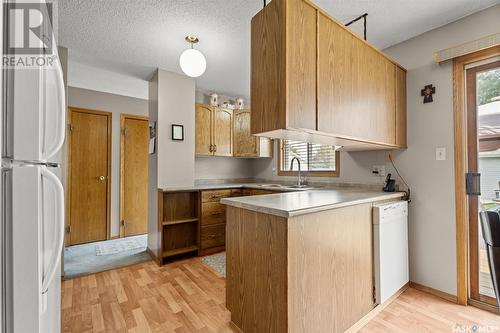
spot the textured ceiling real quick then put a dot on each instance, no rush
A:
(134, 37)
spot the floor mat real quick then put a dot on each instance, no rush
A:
(83, 259)
(217, 262)
(120, 245)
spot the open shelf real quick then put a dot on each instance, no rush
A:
(178, 251)
(166, 223)
(178, 224)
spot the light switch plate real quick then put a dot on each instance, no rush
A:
(441, 154)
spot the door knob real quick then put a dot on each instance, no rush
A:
(101, 178)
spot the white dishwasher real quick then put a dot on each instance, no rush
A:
(390, 240)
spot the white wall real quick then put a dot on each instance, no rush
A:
(99, 79)
(432, 211)
(355, 168)
(116, 104)
(211, 168)
(176, 103)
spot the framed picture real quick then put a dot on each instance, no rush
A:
(152, 138)
(177, 132)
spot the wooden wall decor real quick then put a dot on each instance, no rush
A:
(427, 93)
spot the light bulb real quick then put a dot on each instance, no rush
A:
(193, 63)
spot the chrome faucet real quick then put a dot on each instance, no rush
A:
(299, 182)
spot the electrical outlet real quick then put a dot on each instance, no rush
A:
(378, 170)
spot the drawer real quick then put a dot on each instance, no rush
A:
(213, 236)
(214, 196)
(237, 192)
(212, 213)
(251, 191)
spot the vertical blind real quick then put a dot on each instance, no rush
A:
(312, 156)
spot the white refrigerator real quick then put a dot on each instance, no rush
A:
(32, 199)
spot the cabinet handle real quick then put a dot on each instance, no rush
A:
(216, 213)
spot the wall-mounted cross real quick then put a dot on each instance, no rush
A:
(427, 92)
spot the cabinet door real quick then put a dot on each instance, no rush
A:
(301, 42)
(203, 129)
(373, 102)
(335, 70)
(401, 108)
(245, 145)
(223, 132)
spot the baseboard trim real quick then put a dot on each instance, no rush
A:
(234, 327)
(155, 258)
(483, 306)
(435, 292)
(375, 311)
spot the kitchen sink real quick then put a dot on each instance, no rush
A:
(285, 187)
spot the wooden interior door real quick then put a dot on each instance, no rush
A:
(89, 175)
(203, 130)
(481, 138)
(223, 132)
(245, 145)
(134, 175)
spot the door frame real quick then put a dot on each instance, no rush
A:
(461, 167)
(109, 115)
(123, 117)
(473, 150)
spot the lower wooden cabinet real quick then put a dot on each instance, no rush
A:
(213, 221)
(213, 237)
(192, 223)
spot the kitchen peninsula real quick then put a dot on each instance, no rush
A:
(301, 261)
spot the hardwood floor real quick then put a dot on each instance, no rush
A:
(415, 311)
(187, 296)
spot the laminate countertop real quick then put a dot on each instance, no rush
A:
(223, 186)
(310, 201)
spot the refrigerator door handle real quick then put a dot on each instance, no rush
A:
(61, 113)
(59, 239)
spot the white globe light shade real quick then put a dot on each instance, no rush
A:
(193, 63)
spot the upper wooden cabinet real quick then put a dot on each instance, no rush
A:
(214, 131)
(314, 80)
(245, 144)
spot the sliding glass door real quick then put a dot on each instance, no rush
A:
(483, 151)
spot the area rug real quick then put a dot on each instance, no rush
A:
(216, 262)
(82, 259)
(121, 245)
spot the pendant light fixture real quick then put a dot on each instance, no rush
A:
(192, 61)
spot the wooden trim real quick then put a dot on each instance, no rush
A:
(376, 310)
(234, 327)
(484, 306)
(435, 292)
(123, 117)
(281, 172)
(109, 115)
(472, 166)
(460, 133)
(152, 255)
